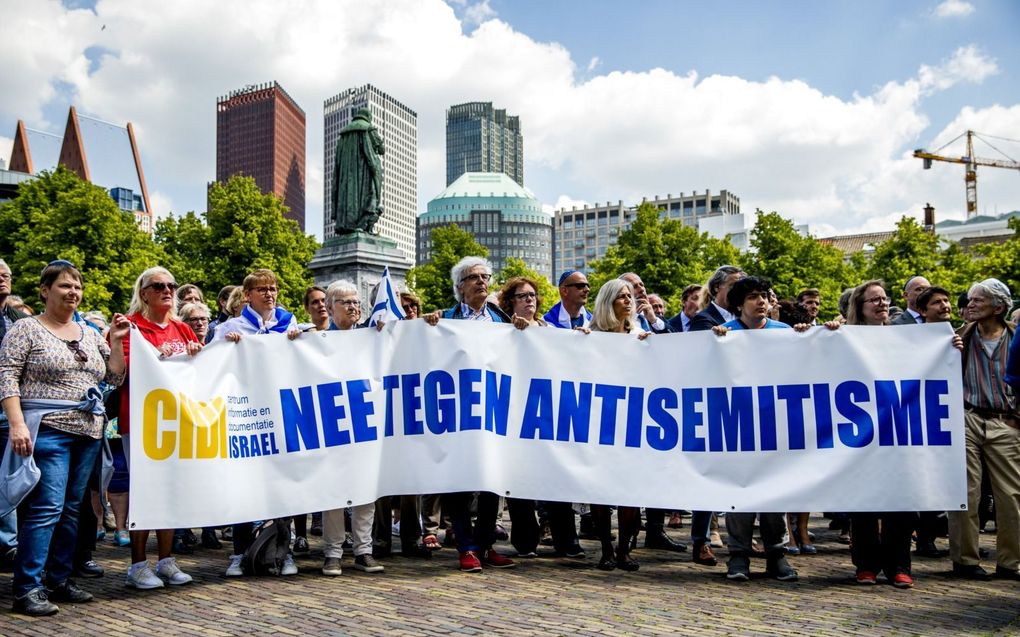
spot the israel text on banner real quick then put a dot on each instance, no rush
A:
(859, 419)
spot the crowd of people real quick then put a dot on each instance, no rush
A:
(65, 431)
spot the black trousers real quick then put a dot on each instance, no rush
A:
(887, 549)
(526, 531)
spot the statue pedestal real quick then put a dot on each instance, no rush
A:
(360, 257)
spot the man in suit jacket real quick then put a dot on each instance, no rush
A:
(646, 316)
(9, 523)
(691, 300)
(912, 316)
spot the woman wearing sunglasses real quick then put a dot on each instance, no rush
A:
(50, 369)
(153, 312)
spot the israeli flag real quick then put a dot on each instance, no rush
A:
(386, 304)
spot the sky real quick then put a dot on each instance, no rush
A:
(809, 108)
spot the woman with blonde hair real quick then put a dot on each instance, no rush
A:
(153, 311)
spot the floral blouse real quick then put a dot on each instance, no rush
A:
(34, 363)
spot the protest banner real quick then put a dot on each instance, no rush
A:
(859, 419)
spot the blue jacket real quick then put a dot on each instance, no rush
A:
(498, 315)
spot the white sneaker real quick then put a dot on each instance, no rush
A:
(167, 570)
(289, 567)
(235, 570)
(140, 576)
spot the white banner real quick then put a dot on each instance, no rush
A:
(860, 419)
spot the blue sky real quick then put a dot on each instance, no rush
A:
(809, 108)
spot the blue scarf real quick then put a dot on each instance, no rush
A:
(282, 316)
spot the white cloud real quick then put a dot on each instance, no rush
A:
(954, 9)
(594, 63)
(478, 13)
(967, 64)
(565, 202)
(163, 205)
(836, 163)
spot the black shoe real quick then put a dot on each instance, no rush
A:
(663, 542)
(382, 550)
(190, 538)
(180, 548)
(1007, 573)
(983, 553)
(89, 568)
(301, 546)
(974, 572)
(416, 551)
(626, 563)
(607, 562)
(209, 539)
(35, 603)
(928, 549)
(7, 559)
(69, 592)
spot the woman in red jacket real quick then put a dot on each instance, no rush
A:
(153, 313)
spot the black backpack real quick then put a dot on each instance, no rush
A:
(269, 549)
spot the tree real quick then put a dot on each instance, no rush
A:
(60, 216)
(795, 262)
(1002, 260)
(517, 267)
(431, 281)
(913, 251)
(244, 230)
(665, 253)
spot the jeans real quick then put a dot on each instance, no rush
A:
(49, 515)
(480, 535)
(8, 523)
(740, 526)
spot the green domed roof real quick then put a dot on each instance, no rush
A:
(485, 185)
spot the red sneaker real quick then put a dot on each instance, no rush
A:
(902, 580)
(469, 562)
(495, 560)
(866, 577)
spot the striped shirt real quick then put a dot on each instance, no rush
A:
(983, 373)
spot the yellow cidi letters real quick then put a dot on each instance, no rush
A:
(191, 428)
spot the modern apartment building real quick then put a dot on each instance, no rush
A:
(481, 139)
(260, 132)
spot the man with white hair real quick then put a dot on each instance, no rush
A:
(992, 434)
(471, 278)
(8, 523)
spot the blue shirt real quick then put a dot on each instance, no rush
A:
(735, 324)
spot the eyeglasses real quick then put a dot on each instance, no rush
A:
(525, 296)
(160, 286)
(578, 286)
(266, 289)
(80, 355)
(409, 308)
(477, 277)
(197, 319)
(877, 300)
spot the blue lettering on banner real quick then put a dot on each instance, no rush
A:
(665, 433)
(692, 419)
(936, 413)
(538, 418)
(899, 420)
(610, 395)
(732, 418)
(860, 429)
(440, 413)
(574, 418)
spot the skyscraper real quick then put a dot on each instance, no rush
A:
(260, 132)
(480, 138)
(398, 126)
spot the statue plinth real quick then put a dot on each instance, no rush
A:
(359, 257)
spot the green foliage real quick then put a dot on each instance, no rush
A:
(517, 267)
(60, 216)
(431, 282)
(244, 230)
(666, 254)
(1002, 261)
(795, 262)
(912, 251)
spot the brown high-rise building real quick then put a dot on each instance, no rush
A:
(260, 132)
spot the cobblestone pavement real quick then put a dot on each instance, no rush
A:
(545, 596)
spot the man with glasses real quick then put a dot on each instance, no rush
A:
(992, 435)
(8, 523)
(570, 312)
(471, 278)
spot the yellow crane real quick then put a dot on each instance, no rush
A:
(971, 163)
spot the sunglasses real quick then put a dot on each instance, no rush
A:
(159, 286)
(578, 286)
(80, 355)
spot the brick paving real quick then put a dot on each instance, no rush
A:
(545, 596)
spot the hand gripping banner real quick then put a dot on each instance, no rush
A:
(858, 419)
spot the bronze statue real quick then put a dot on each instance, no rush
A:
(357, 176)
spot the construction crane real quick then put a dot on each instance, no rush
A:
(971, 162)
